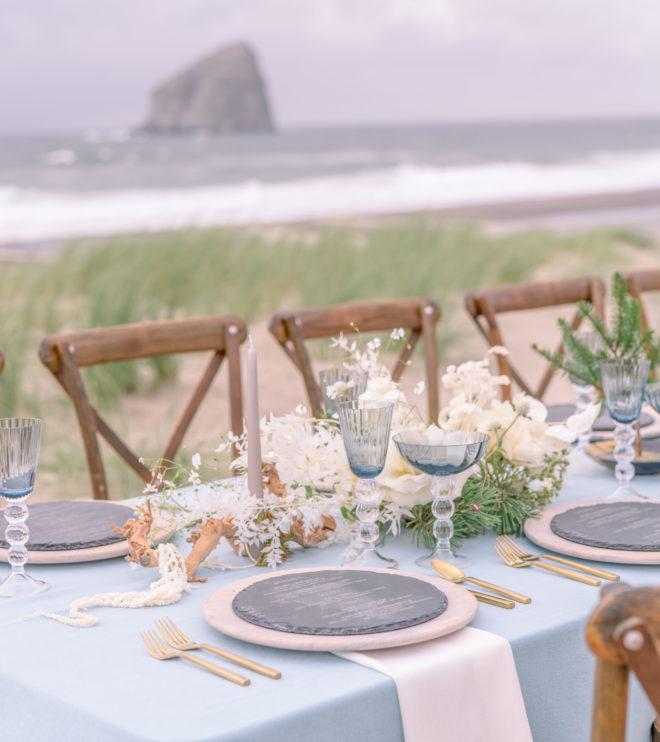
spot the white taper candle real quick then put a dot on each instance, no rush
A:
(255, 480)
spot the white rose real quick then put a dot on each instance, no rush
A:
(383, 388)
(530, 407)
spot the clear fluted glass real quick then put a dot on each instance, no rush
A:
(446, 453)
(624, 383)
(347, 384)
(365, 428)
(19, 454)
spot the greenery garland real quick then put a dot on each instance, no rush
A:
(500, 498)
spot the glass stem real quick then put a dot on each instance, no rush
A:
(442, 509)
(16, 535)
(367, 509)
(584, 395)
(624, 452)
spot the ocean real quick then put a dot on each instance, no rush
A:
(97, 182)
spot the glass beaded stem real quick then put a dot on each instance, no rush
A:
(584, 396)
(624, 382)
(19, 454)
(369, 497)
(624, 452)
(442, 507)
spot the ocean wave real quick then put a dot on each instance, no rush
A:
(29, 215)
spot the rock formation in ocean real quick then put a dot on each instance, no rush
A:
(222, 92)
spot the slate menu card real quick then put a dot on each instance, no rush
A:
(628, 526)
(339, 602)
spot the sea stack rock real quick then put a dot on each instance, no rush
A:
(222, 92)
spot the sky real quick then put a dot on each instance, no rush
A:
(72, 64)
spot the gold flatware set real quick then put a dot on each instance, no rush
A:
(514, 556)
(517, 551)
(178, 644)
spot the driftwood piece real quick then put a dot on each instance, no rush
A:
(136, 532)
(204, 541)
(316, 535)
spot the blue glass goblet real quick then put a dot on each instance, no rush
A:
(623, 386)
(447, 453)
(365, 428)
(19, 453)
(346, 384)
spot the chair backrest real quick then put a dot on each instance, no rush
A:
(484, 305)
(418, 316)
(64, 355)
(624, 634)
(640, 281)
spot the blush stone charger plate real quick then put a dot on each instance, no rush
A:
(218, 612)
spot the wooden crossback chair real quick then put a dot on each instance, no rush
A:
(640, 281)
(64, 355)
(484, 305)
(418, 316)
(624, 634)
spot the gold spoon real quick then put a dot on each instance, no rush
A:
(454, 574)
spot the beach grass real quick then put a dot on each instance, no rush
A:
(252, 273)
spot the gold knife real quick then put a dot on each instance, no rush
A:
(492, 599)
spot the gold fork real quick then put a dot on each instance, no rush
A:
(513, 561)
(160, 651)
(177, 639)
(517, 550)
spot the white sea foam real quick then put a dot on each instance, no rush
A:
(34, 215)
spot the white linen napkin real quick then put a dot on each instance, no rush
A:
(459, 688)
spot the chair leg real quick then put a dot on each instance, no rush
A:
(610, 702)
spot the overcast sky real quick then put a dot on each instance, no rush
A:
(82, 63)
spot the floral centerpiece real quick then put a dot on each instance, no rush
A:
(308, 486)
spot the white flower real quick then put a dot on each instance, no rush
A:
(196, 461)
(398, 333)
(339, 342)
(582, 422)
(383, 388)
(339, 389)
(530, 407)
(374, 344)
(419, 388)
(302, 410)
(498, 350)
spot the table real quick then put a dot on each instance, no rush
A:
(98, 685)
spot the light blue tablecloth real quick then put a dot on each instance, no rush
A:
(99, 685)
